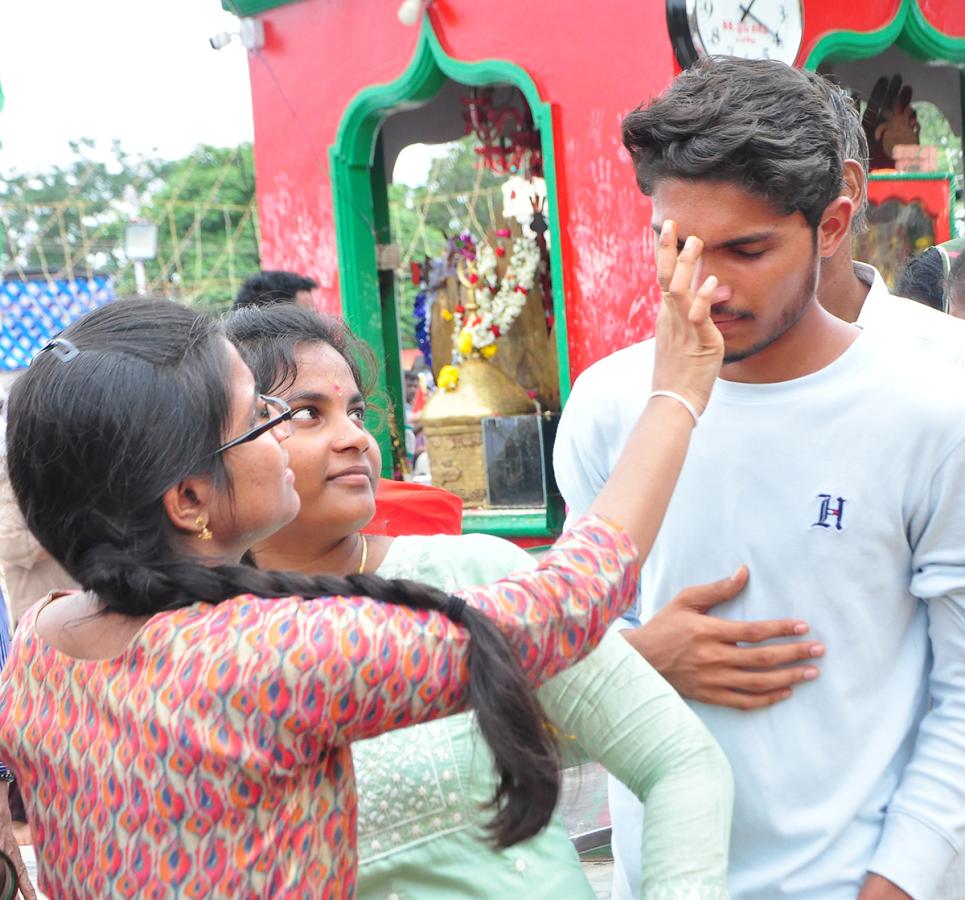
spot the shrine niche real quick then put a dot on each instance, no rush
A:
(483, 314)
(490, 321)
(469, 280)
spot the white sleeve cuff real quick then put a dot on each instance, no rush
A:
(912, 855)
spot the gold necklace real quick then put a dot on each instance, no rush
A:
(365, 553)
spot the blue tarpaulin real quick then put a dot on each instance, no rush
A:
(34, 311)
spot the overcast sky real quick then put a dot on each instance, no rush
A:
(138, 70)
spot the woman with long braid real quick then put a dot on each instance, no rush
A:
(182, 726)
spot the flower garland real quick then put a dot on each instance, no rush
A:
(500, 301)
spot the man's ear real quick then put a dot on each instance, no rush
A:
(835, 225)
(188, 504)
(855, 184)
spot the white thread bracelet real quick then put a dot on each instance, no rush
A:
(682, 400)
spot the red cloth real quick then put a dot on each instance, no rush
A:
(402, 507)
(420, 399)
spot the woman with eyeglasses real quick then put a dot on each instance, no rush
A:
(182, 726)
(422, 789)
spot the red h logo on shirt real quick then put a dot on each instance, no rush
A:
(830, 516)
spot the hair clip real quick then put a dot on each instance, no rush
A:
(63, 349)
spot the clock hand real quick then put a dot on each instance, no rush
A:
(747, 12)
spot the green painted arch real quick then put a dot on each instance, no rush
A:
(356, 186)
(921, 39)
(252, 7)
(909, 29)
(429, 68)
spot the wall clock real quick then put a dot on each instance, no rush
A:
(750, 29)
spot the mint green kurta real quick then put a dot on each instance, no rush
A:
(420, 788)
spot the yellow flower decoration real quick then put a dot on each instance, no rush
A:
(465, 342)
(448, 378)
(446, 315)
(489, 351)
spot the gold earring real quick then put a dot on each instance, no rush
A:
(204, 533)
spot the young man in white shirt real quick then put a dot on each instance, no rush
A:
(827, 463)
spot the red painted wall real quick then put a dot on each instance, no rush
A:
(947, 16)
(593, 61)
(824, 16)
(319, 53)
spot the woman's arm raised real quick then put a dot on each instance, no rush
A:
(689, 352)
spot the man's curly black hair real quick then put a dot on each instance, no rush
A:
(760, 124)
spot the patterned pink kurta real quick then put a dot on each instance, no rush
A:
(211, 758)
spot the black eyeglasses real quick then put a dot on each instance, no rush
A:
(276, 414)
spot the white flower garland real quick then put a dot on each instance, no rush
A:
(500, 301)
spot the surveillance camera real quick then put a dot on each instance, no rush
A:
(220, 40)
(251, 33)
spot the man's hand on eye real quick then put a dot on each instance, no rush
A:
(700, 654)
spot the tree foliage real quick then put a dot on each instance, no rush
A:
(74, 217)
(935, 130)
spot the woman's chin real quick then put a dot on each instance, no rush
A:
(294, 504)
(289, 507)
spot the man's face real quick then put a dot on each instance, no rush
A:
(765, 262)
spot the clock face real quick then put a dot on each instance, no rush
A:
(751, 29)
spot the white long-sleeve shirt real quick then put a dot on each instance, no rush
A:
(844, 493)
(942, 337)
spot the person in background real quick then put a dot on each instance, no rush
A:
(420, 831)
(928, 277)
(267, 288)
(415, 439)
(28, 571)
(8, 837)
(855, 291)
(955, 287)
(923, 278)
